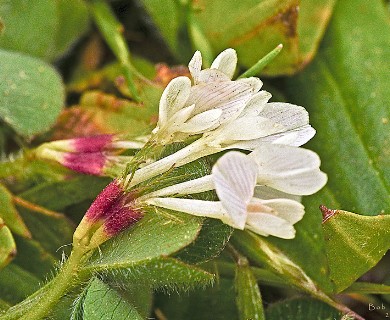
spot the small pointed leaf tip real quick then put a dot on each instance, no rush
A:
(326, 213)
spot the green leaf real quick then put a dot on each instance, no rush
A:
(31, 93)
(16, 283)
(43, 29)
(7, 245)
(210, 242)
(348, 105)
(139, 243)
(61, 194)
(167, 273)
(10, 215)
(249, 302)
(302, 309)
(354, 244)
(103, 302)
(214, 303)
(262, 25)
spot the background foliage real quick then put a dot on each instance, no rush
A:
(65, 71)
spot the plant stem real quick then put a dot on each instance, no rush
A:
(259, 65)
(39, 304)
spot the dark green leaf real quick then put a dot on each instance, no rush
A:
(31, 93)
(249, 302)
(302, 309)
(348, 104)
(103, 302)
(210, 242)
(215, 303)
(167, 273)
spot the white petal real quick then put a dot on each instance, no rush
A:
(195, 66)
(234, 177)
(212, 75)
(181, 116)
(289, 210)
(229, 96)
(296, 137)
(188, 187)
(226, 62)
(173, 98)
(248, 128)
(289, 169)
(253, 82)
(267, 193)
(289, 115)
(210, 209)
(256, 104)
(268, 224)
(202, 121)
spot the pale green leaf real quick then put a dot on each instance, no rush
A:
(31, 93)
(7, 245)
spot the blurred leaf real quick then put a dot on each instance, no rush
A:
(73, 22)
(249, 302)
(354, 245)
(253, 24)
(214, 303)
(302, 309)
(61, 194)
(348, 105)
(10, 215)
(103, 302)
(31, 93)
(44, 29)
(167, 273)
(16, 283)
(7, 245)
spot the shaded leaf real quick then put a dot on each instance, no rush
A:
(31, 93)
(7, 245)
(302, 309)
(214, 303)
(249, 302)
(354, 244)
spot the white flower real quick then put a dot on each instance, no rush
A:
(214, 98)
(229, 115)
(288, 170)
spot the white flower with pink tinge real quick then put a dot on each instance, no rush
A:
(289, 171)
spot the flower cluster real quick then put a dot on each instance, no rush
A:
(258, 191)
